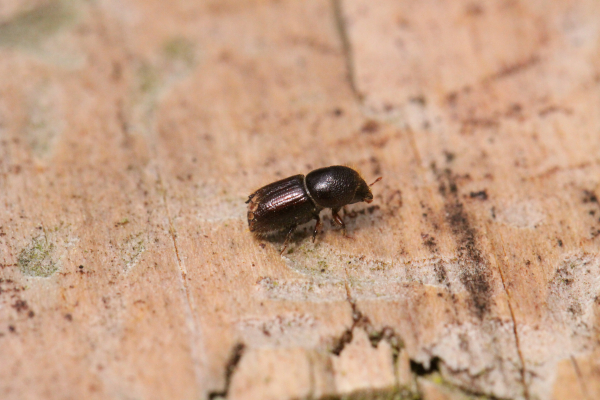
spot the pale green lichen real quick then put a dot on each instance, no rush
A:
(149, 80)
(122, 222)
(180, 49)
(37, 258)
(44, 121)
(322, 265)
(30, 28)
(452, 390)
(132, 249)
(381, 394)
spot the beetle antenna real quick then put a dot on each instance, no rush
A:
(376, 180)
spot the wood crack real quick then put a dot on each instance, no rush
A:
(342, 29)
(234, 359)
(580, 378)
(514, 320)
(189, 314)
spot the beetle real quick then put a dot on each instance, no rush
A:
(287, 203)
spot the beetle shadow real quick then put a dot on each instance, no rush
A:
(356, 217)
(300, 234)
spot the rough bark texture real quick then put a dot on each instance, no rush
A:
(132, 131)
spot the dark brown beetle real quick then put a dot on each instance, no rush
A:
(285, 204)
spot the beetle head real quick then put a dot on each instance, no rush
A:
(363, 192)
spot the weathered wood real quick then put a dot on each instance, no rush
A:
(131, 133)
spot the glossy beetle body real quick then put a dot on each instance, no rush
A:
(285, 204)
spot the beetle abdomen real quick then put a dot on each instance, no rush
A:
(280, 205)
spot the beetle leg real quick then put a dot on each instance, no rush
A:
(337, 219)
(340, 221)
(287, 239)
(318, 226)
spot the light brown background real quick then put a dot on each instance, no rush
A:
(132, 131)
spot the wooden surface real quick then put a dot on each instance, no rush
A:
(132, 131)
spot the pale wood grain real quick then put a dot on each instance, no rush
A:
(131, 133)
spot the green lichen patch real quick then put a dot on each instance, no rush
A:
(45, 123)
(447, 389)
(37, 259)
(378, 394)
(31, 27)
(149, 79)
(176, 59)
(154, 77)
(324, 262)
(132, 249)
(122, 222)
(180, 49)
